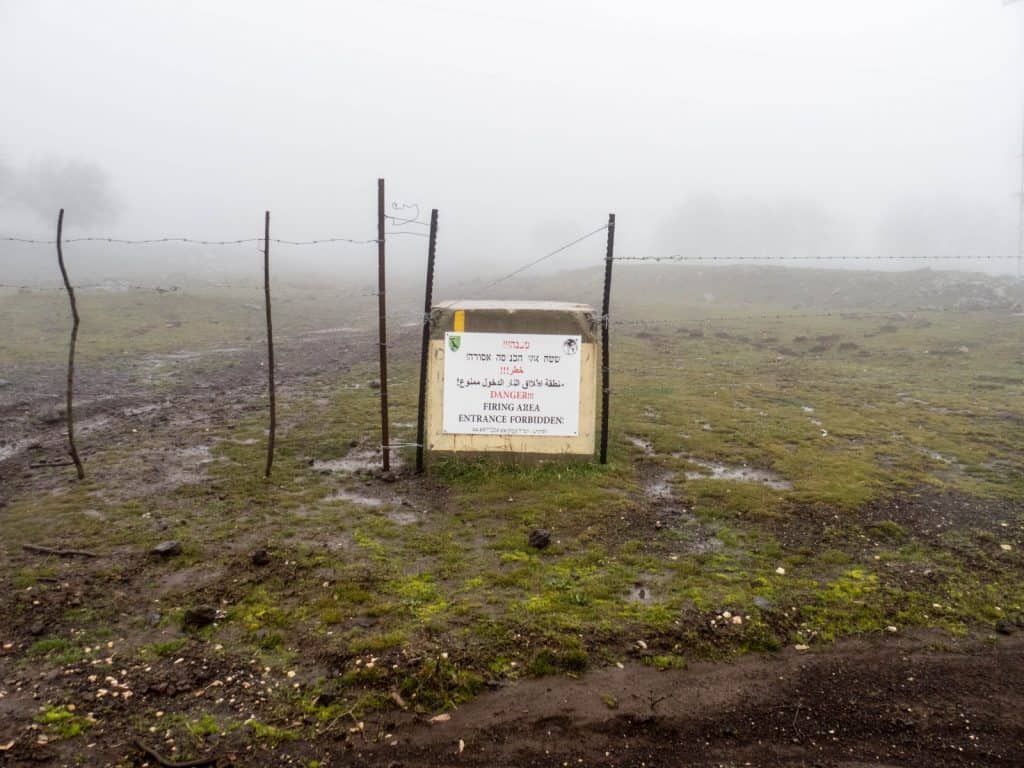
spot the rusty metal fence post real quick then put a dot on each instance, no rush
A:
(270, 346)
(382, 332)
(425, 343)
(605, 331)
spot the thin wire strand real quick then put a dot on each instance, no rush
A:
(199, 242)
(845, 314)
(682, 258)
(401, 221)
(544, 257)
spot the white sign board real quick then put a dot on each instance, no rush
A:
(511, 384)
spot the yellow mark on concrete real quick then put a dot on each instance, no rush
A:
(460, 321)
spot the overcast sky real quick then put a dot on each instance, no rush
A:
(524, 123)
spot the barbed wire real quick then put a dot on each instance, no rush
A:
(198, 241)
(546, 256)
(402, 221)
(683, 258)
(846, 314)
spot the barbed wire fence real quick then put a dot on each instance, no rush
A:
(607, 322)
(403, 215)
(400, 222)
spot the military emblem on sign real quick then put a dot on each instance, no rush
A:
(454, 342)
(570, 346)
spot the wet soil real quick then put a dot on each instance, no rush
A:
(903, 702)
(894, 701)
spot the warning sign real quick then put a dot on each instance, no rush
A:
(511, 384)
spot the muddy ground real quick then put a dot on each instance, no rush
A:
(902, 700)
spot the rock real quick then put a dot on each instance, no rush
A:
(781, 571)
(198, 617)
(168, 548)
(374, 384)
(260, 557)
(1005, 627)
(540, 539)
(762, 602)
(153, 619)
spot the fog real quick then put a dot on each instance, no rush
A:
(749, 128)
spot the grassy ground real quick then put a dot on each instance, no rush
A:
(891, 499)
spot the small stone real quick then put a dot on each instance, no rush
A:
(781, 571)
(540, 539)
(444, 717)
(199, 616)
(891, 628)
(737, 619)
(801, 647)
(260, 557)
(168, 548)
(762, 602)
(1006, 547)
(153, 619)
(375, 384)
(641, 645)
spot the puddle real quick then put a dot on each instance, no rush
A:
(660, 487)
(142, 410)
(644, 445)
(324, 331)
(702, 544)
(394, 512)
(355, 498)
(175, 356)
(13, 448)
(90, 425)
(744, 474)
(359, 459)
(403, 517)
(640, 593)
(950, 461)
(200, 453)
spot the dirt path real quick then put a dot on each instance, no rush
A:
(900, 702)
